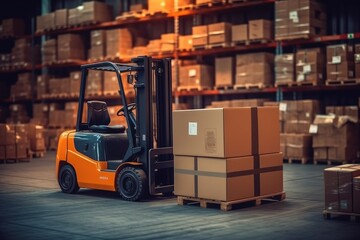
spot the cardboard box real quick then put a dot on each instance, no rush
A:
(185, 42)
(284, 68)
(70, 47)
(356, 192)
(12, 27)
(61, 17)
(213, 132)
(196, 76)
(310, 66)
(200, 35)
(320, 153)
(163, 6)
(224, 71)
(219, 33)
(18, 151)
(340, 61)
(267, 129)
(228, 179)
(239, 33)
(339, 187)
(343, 154)
(118, 42)
(261, 29)
(94, 12)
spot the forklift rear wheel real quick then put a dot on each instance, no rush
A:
(67, 179)
(132, 183)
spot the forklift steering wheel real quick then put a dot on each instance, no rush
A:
(130, 107)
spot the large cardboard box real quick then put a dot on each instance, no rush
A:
(185, 42)
(340, 61)
(200, 35)
(213, 132)
(239, 33)
(310, 66)
(284, 68)
(219, 33)
(261, 29)
(196, 76)
(320, 153)
(224, 71)
(164, 6)
(61, 17)
(70, 47)
(265, 122)
(118, 42)
(339, 187)
(228, 179)
(356, 192)
(94, 12)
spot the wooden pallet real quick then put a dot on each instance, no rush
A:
(331, 214)
(202, 47)
(329, 162)
(111, 93)
(210, 3)
(38, 154)
(237, 1)
(259, 41)
(294, 37)
(131, 15)
(343, 82)
(15, 160)
(218, 45)
(227, 206)
(297, 160)
(94, 94)
(192, 88)
(224, 87)
(92, 60)
(186, 7)
(155, 14)
(240, 43)
(250, 86)
(285, 84)
(307, 83)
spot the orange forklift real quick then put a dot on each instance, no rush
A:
(136, 161)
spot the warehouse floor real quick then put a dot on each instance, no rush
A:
(32, 207)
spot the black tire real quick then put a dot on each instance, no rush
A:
(132, 184)
(67, 179)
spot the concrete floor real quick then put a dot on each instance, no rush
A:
(32, 207)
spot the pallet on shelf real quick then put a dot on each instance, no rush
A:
(328, 162)
(291, 160)
(251, 86)
(331, 214)
(218, 45)
(210, 3)
(240, 43)
(131, 15)
(260, 41)
(228, 205)
(186, 7)
(224, 87)
(295, 37)
(343, 82)
(192, 88)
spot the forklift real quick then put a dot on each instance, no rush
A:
(136, 161)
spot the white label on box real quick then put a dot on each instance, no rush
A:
(192, 73)
(300, 77)
(45, 108)
(307, 68)
(193, 128)
(39, 79)
(313, 128)
(336, 59)
(293, 15)
(283, 107)
(15, 107)
(76, 76)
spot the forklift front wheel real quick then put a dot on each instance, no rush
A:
(132, 183)
(67, 179)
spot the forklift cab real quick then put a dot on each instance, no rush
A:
(135, 160)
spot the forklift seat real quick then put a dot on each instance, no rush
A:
(99, 118)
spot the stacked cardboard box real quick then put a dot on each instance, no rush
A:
(111, 85)
(185, 42)
(48, 51)
(14, 142)
(18, 114)
(352, 112)
(95, 12)
(357, 60)
(261, 29)
(299, 19)
(12, 27)
(75, 79)
(200, 36)
(224, 72)
(284, 68)
(40, 114)
(42, 82)
(296, 146)
(61, 18)
(163, 6)
(219, 34)
(335, 138)
(56, 116)
(70, 47)
(342, 188)
(239, 33)
(196, 76)
(36, 137)
(21, 53)
(73, 16)
(310, 66)
(154, 46)
(59, 86)
(168, 42)
(49, 21)
(254, 68)
(23, 86)
(98, 44)
(118, 42)
(95, 83)
(227, 154)
(340, 62)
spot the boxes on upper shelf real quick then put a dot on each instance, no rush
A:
(219, 34)
(224, 71)
(70, 47)
(310, 66)
(61, 18)
(12, 27)
(200, 36)
(185, 42)
(196, 76)
(340, 62)
(163, 6)
(167, 43)
(118, 42)
(95, 12)
(261, 29)
(239, 33)
(299, 19)
(49, 51)
(98, 44)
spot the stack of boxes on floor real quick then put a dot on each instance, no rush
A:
(295, 119)
(14, 142)
(336, 135)
(342, 188)
(227, 154)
